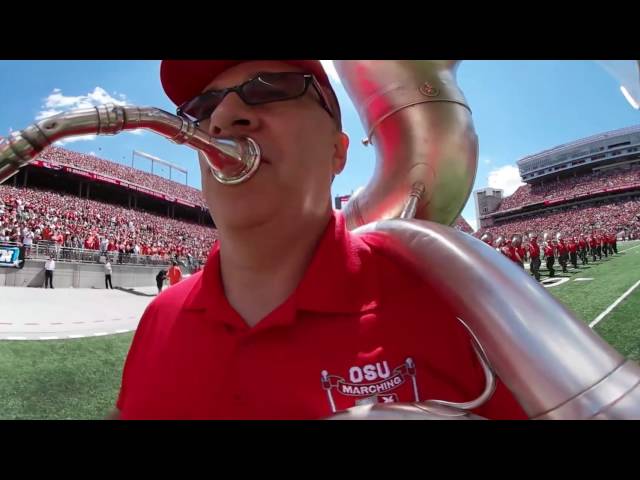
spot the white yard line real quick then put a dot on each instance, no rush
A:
(627, 249)
(614, 304)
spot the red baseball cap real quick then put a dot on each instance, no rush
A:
(183, 80)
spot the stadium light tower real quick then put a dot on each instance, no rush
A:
(162, 162)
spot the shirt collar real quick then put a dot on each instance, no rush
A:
(341, 278)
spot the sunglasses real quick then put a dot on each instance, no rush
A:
(264, 88)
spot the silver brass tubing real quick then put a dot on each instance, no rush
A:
(232, 160)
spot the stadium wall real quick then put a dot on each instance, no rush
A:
(78, 275)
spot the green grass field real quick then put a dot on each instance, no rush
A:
(80, 379)
(611, 278)
(61, 379)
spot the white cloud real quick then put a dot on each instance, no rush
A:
(486, 161)
(57, 103)
(330, 68)
(75, 138)
(506, 178)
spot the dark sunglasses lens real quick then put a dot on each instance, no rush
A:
(201, 107)
(272, 87)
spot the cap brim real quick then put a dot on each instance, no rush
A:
(182, 80)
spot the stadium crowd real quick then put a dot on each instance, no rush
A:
(30, 216)
(571, 187)
(462, 225)
(613, 217)
(122, 172)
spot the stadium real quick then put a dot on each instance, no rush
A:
(585, 187)
(62, 352)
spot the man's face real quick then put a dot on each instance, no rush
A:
(301, 151)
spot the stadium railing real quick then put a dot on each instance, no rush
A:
(43, 248)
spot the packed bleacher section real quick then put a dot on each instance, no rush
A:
(462, 225)
(105, 167)
(612, 217)
(71, 221)
(572, 187)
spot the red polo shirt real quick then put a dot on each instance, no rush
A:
(357, 329)
(534, 250)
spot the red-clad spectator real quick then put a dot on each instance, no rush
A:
(58, 238)
(174, 273)
(47, 233)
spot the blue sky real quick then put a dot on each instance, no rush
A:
(519, 108)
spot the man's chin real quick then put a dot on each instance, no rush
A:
(245, 218)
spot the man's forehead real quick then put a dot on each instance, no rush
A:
(246, 70)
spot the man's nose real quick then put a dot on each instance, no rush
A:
(232, 118)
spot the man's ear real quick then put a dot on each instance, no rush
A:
(340, 152)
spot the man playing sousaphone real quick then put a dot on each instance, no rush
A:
(534, 255)
(293, 317)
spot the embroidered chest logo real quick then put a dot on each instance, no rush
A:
(372, 383)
